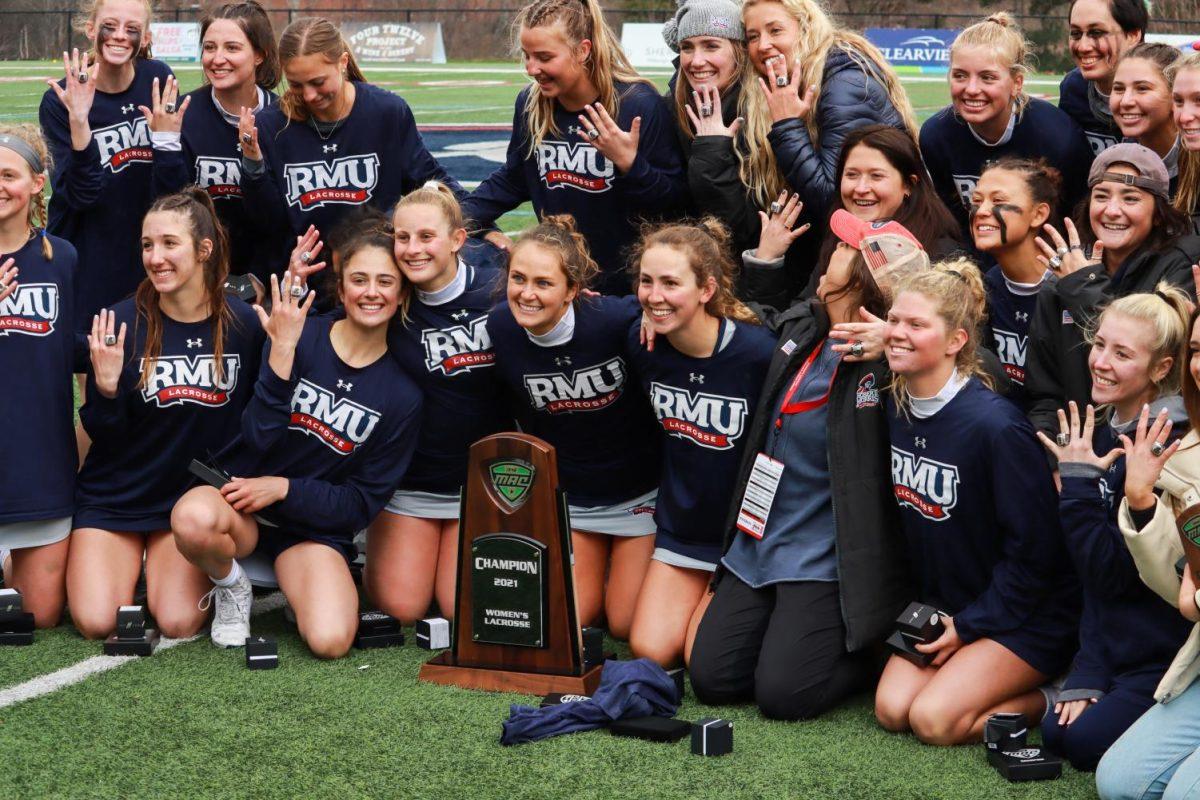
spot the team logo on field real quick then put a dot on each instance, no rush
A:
(341, 425)
(710, 420)
(123, 144)
(587, 389)
(32, 310)
(576, 164)
(459, 349)
(926, 486)
(1010, 349)
(176, 380)
(350, 181)
(965, 184)
(866, 395)
(511, 478)
(220, 177)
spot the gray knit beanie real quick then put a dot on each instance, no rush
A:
(719, 18)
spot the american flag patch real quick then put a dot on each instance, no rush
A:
(874, 256)
(1067, 318)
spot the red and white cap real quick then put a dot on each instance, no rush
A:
(885, 244)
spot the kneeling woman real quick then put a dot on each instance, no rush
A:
(564, 360)
(801, 598)
(324, 443)
(1135, 373)
(978, 509)
(175, 388)
(703, 379)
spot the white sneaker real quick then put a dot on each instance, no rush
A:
(231, 612)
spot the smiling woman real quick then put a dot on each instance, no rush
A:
(1126, 237)
(1141, 102)
(991, 116)
(198, 143)
(102, 150)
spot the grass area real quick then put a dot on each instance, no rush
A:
(194, 721)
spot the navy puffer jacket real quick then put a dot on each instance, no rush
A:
(852, 95)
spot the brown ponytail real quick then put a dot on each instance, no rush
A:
(195, 206)
(558, 234)
(706, 244)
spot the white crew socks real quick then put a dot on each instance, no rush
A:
(229, 580)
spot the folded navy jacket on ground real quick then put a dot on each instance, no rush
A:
(639, 688)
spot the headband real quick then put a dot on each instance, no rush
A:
(22, 148)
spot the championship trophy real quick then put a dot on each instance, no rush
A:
(516, 628)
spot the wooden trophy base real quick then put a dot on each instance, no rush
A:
(441, 669)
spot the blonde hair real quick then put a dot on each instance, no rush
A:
(438, 195)
(558, 234)
(956, 289)
(312, 36)
(1187, 196)
(607, 64)
(1001, 36)
(90, 9)
(32, 135)
(1167, 311)
(760, 170)
(706, 244)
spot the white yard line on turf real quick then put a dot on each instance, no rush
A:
(81, 671)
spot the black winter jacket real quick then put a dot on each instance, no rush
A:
(717, 189)
(1056, 363)
(872, 566)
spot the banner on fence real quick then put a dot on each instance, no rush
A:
(643, 43)
(175, 41)
(917, 49)
(396, 41)
(1184, 41)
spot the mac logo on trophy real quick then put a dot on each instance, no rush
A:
(516, 626)
(511, 479)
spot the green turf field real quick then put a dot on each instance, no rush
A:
(192, 721)
(462, 92)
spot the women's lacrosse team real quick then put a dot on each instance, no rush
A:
(963, 357)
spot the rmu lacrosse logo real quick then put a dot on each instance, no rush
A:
(175, 380)
(350, 180)
(1010, 349)
(123, 144)
(926, 486)
(458, 349)
(576, 164)
(220, 177)
(32, 309)
(966, 186)
(587, 389)
(342, 425)
(709, 420)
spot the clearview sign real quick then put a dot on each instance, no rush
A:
(925, 49)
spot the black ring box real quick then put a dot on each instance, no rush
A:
(652, 729)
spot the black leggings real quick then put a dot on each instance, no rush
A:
(782, 646)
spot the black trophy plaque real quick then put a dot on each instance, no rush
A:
(507, 581)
